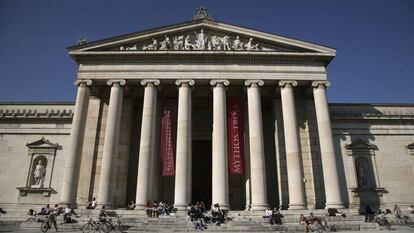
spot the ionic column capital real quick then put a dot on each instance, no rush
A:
(253, 83)
(317, 84)
(86, 82)
(120, 82)
(184, 82)
(150, 82)
(287, 83)
(219, 82)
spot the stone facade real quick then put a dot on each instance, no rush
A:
(299, 154)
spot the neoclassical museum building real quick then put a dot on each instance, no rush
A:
(205, 110)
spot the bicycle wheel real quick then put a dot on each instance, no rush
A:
(333, 228)
(104, 227)
(118, 227)
(387, 225)
(31, 219)
(319, 228)
(44, 227)
(88, 227)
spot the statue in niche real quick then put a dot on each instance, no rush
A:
(39, 175)
(237, 44)
(153, 46)
(226, 43)
(188, 45)
(250, 46)
(201, 41)
(178, 43)
(362, 175)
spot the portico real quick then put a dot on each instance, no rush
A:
(143, 148)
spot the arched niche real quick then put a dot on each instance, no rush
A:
(365, 182)
(45, 151)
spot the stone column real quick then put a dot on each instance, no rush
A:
(182, 195)
(77, 133)
(220, 184)
(111, 141)
(330, 170)
(296, 185)
(147, 142)
(256, 145)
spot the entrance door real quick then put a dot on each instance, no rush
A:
(201, 178)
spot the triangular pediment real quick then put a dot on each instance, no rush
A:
(202, 35)
(360, 144)
(43, 143)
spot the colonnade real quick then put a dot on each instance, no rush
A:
(220, 189)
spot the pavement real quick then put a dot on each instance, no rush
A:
(395, 229)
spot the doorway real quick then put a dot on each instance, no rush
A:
(201, 172)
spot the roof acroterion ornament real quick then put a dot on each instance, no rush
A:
(202, 14)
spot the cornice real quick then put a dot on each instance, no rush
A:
(174, 57)
(25, 112)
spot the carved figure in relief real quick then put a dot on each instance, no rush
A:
(188, 45)
(250, 46)
(216, 43)
(178, 43)
(153, 46)
(39, 175)
(166, 44)
(201, 41)
(237, 44)
(209, 45)
(129, 48)
(226, 43)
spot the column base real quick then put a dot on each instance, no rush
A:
(107, 205)
(73, 205)
(335, 205)
(297, 207)
(259, 206)
(223, 206)
(180, 207)
(139, 207)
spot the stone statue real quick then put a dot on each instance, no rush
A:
(153, 46)
(178, 43)
(226, 43)
(128, 48)
(201, 41)
(166, 44)
(39, 175)
(237, 45)
(250, 46)
(188, 45)
(362, 176)
(216, 43)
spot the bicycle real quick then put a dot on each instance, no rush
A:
(34, 217)
(404, 220)
(383, 222)
(117, 225)
(324, 226)
(95, 226)
(46, 225)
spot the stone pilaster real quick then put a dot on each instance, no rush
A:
(296, 185)
(220, 186)
(77, 133)
(330, 170)
(111, 141)
(182, 194)
(147, 142)
(256, 145)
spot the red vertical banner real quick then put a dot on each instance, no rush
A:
(235, 139)
(168, 136)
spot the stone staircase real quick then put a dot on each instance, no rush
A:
(239, 221)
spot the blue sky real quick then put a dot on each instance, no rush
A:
(374, 39)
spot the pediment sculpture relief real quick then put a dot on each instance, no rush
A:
(197, 41)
